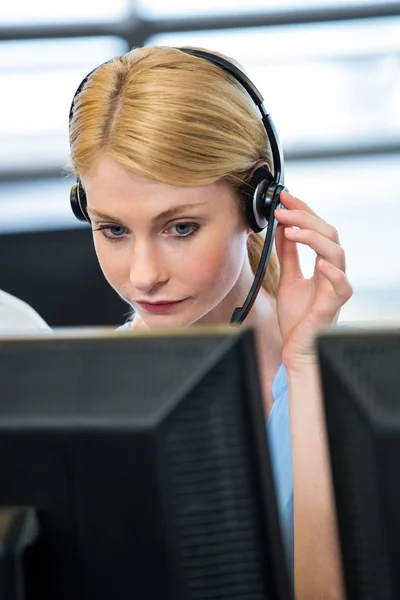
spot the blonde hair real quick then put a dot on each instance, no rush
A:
(174, 118)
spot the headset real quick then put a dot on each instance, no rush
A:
(261, 194)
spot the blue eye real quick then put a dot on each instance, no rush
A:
(184, 229)
(112, 232)
(116, 230)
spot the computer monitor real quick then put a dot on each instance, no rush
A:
(141, 468)
(361, 388)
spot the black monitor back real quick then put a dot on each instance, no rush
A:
(58, 274)
(361, 387)
(146, 461)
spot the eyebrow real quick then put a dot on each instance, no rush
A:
(165, 214)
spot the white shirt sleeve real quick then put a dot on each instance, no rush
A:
(18, 316)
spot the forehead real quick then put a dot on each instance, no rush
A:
(110, 188)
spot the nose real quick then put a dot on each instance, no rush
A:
(148, 270)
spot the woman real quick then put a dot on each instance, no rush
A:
(164, 144)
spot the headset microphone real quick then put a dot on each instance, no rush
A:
(262, 192)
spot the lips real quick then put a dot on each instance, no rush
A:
(160, 306)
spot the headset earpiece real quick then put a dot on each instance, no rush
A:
(259, 197)
(77, 198)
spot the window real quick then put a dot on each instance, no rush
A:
(22, 12)
(41, 78)
(326, 85)
(159, 9)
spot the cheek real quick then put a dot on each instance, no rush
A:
(215, 264)
(114, 268)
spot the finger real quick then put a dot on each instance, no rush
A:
(341, 290)
(338, 279)
(288, 257)
(291, 202)
(320, 244)
(306, 220)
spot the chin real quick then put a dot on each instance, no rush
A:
(161, 321)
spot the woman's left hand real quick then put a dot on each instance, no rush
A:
(305, 305)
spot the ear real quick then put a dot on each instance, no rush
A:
(259, 163)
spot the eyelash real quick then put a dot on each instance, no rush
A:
(107, 228)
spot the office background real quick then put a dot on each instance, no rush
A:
(330, 75)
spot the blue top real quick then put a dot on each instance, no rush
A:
(280, 448)
(278, 434)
